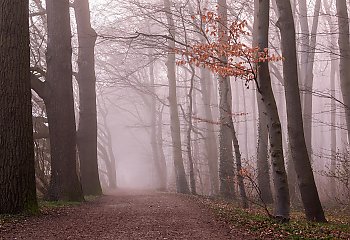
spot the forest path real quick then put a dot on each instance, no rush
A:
(124, 215)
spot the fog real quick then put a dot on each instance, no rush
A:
(139, 117)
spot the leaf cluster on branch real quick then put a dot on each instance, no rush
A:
(224, 52)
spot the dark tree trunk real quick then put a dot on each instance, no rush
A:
(282, 202)
(302, 165)
(17, 173)
(64, 184)
(87, 129)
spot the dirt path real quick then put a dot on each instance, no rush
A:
(124, 216)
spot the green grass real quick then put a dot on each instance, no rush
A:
(256, 222)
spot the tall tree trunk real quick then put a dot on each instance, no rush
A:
(263, 170)
(87, 129)
(309, 78)
(189, 133)
(181, 181)
(305, 40)
(17, 172)
(333, 42)
(255, 121)
(64, 184)
(344, 48)
(306, 181)
(282, 202)
(158, 163)
(199, 164)
(210, 143)
(210, 139)
(245, 119)
(226, 166)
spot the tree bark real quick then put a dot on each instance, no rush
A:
(282, 202)
(87, 128)
(64, 184)
(210, 139)
(263, 170)
(159, 164)
(344, 49)
(181, 181)
(240, 176)
(105, 136)
(159, 137)
(309, 78)
(332, 30)
(189, 133)
(17, 172)
(226, 166)
(302, 165)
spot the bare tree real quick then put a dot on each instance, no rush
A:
(87, 129)
(64, 184)
(282, 203)
(181, 181)
(302, 165)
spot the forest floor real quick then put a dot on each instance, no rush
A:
(142, 215)
(123, 215)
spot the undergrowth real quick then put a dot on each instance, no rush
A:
(258, 224)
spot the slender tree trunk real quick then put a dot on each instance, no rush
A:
(181, 181)
(17, 172)
(332, 30)
(240, 175)
(309, 79)
(305, 40)
(189, 133)
(282, 203)
(64, 184)
(210, 140)
(226, 167)
(344, 48)
(245, 119)
(306, 181)
(160, 168)
(255, 121)
(110, 172)
(263, 170)
(105, 137)
(199, 165)
(161, 154)
(87, 129)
